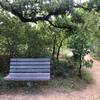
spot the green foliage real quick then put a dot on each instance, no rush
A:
(96, 39)
(64, 68)
(80, 43)
(18, 39)
(4, 64)
(59, 69)
(88, 63)
(87, 76)
(96, 4)
(36, 42)
(11, 34)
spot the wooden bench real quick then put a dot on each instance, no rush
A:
(29, 69)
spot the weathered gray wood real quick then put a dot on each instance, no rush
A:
(29, 63)
(35, 66)
(29, 74)
(30, 59)
(27, 78)
(25, 69)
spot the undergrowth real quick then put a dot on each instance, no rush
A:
(69, 83)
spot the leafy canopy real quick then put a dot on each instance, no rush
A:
(43, 10)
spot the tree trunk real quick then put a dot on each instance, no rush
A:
(54, 47)
(10, 50)
(58, 51)
(80, 66)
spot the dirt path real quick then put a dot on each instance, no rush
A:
(90, 93)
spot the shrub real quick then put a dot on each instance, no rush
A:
(87, 76)
(88, 63)
(58, 69)
(63, 68)
(4, 64)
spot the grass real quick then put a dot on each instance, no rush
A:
(87, 76)
(59, 84)
(97, 58)
(68, 84)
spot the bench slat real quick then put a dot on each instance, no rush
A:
(37, 67)
(29, 63)
(30, 59)
(27, 78)
(23, 70)
(29, 74)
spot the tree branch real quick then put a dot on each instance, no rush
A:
(63, 27)
(19, 12)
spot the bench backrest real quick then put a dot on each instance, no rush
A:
(29, 69)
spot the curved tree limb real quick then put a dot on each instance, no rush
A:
(23, 14)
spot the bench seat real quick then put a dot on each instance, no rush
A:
(29, 69)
